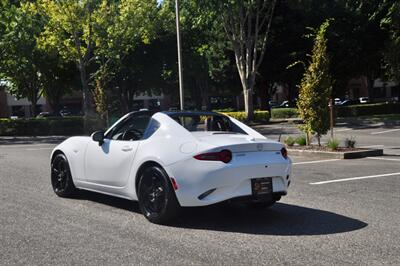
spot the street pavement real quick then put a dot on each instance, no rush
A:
(337, 212)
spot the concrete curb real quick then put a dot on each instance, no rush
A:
(336, 155)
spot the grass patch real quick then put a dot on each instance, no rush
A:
(333, 144)
(281, 113)
(289, 141)
(301, 140)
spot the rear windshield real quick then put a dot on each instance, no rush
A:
(214, 123)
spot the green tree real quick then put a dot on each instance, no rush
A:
(391, 22)
(58, 78)
(206, 59)
(69, 30)
(120, 28)
(20, 60)
(247, 26)
(315, 89)
(30, 71)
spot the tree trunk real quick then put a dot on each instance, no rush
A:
(90, 119)
(248, 104)
(34, 110)
(33, 97)
(87, 106)
(308, 139)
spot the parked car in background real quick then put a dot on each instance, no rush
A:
(273, 104)
(47, 114)
(337, 101)
(286, 104)
(349, 102)
(67, 111)
(363, 99)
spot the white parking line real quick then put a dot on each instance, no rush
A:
(26, 146)
(320, 161)
(386, 131)
(38, 149)
(384, 159)
(353, 178)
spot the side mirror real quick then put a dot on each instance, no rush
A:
(98, 136)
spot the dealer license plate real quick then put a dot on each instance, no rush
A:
(261, 186)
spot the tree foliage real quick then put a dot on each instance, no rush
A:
(30, 71)
(315, 88)
(120, 28)
(247, 25)
(391, 22)
(69, 30)
(119, 49)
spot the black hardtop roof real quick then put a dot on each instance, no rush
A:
(190, 113)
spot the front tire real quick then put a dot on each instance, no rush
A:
(157, 199)
(61, 179)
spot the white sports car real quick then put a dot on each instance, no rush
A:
(173, 159)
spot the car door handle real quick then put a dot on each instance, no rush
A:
(126, 148)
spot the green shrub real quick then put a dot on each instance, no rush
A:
(367, 109)
(350, 142)
(289, 141)
(259, 116)
(41, 126)
(301, 140)
(280, 113)
(333, 144)
(225, 110)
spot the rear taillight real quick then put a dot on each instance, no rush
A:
(223, 156)
(284, 153)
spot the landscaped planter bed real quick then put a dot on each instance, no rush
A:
(326, 153)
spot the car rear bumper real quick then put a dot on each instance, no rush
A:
(204, 183)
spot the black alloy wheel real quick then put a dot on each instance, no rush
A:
(61, 179)
(157, 199)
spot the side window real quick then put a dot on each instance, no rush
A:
(133, 128)
(151, 128)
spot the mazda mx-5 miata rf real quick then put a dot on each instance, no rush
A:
(170, 160)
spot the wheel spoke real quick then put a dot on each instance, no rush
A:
(159, 193)
(153, 194)
(59, 175)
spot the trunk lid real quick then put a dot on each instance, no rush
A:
(237, 142)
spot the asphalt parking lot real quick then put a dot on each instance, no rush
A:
(337, 212)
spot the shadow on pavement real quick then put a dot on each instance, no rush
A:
(281, 219)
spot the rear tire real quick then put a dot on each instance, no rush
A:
(61, 178)
(157, 199)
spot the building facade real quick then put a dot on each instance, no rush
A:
(12, 107)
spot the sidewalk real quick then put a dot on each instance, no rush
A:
(355, 121)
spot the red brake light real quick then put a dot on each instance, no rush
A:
(223, 156)
(284, 153)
